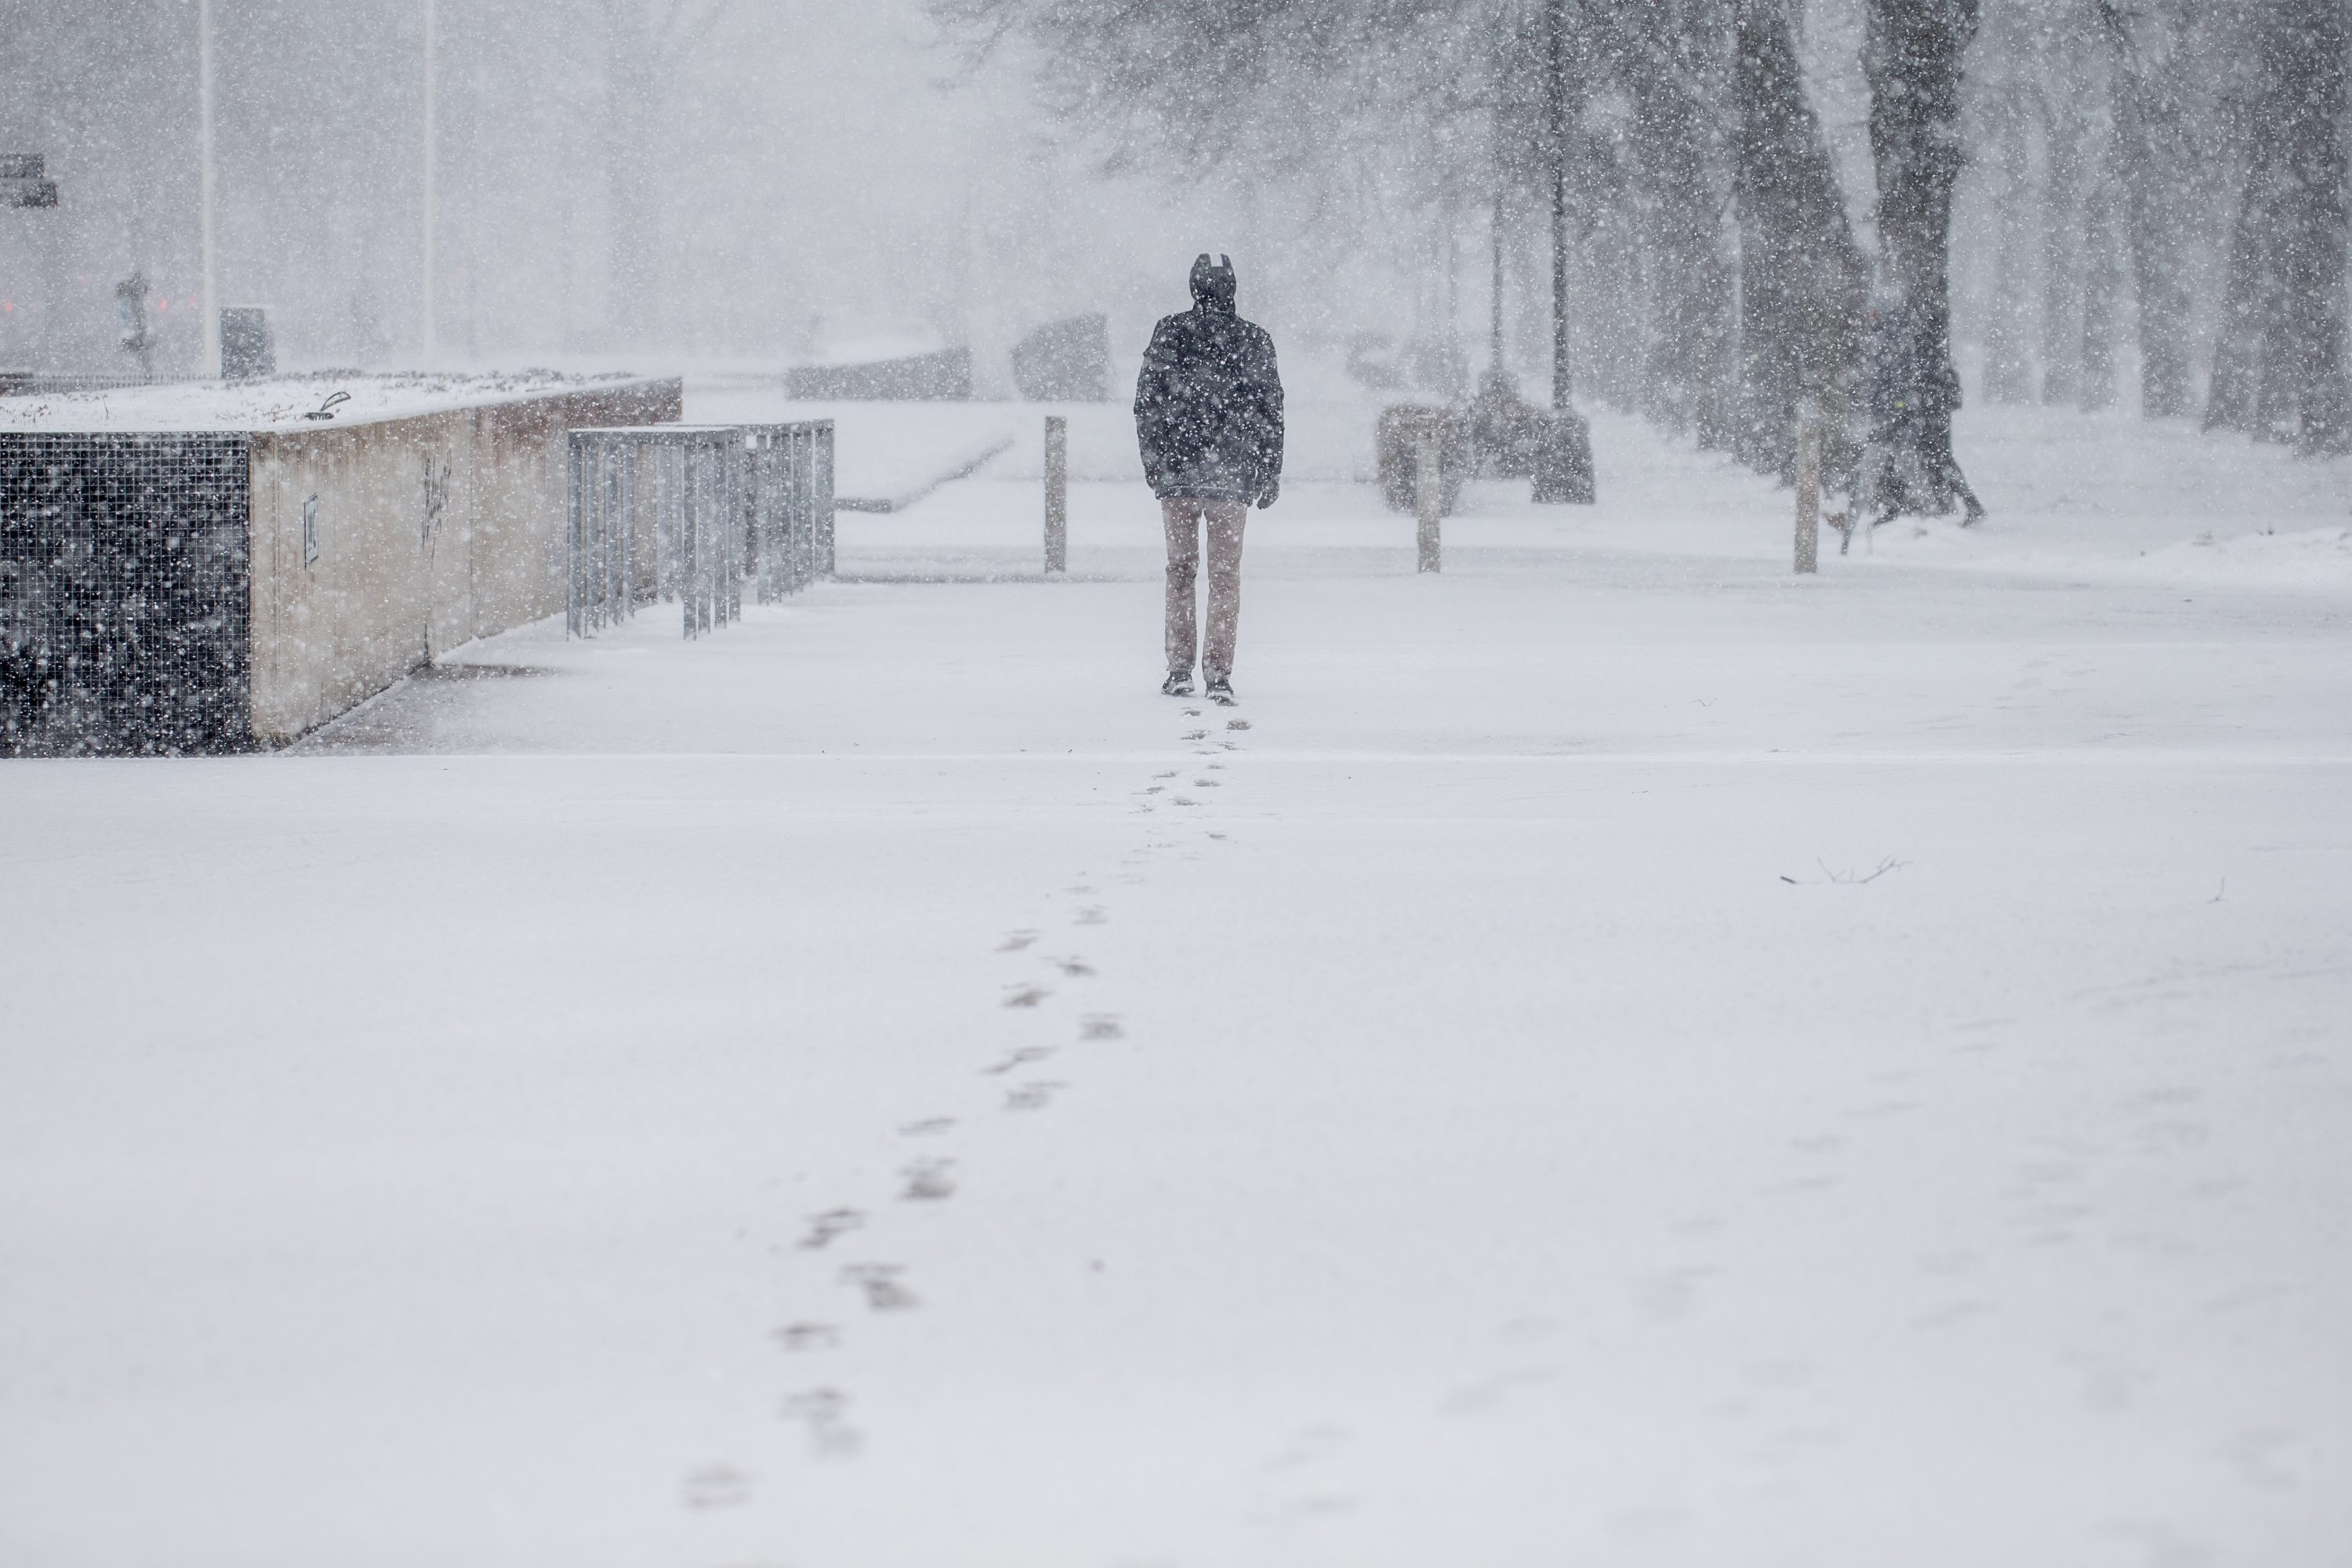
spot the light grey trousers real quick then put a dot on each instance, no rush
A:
(1183, 516)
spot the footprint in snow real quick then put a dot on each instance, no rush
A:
(1237, 724)
(1074, 967)
(808, 1337)
(927, 1181)
(1024, 1055)
(1169, 774)
(1015, 941)
(880, 1283)
(715, 1485)
(1093, 917)
(1479, 1398)
(1208, 784)
(1101, 1026)
(1033, 1096)
(823, 1227)
(926, 1127)
(824, 1411)
(1181, 800)
(1025, 996)
(1196, 734)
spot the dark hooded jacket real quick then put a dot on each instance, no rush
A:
(1208, 407)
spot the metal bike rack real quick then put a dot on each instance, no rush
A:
(788, 496)
(651, 513)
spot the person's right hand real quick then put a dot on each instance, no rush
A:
(1267, 497)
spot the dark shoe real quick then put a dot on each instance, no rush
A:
(1178, 684)
(1221, 691)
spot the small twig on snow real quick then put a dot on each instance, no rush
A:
(1847, 879)
(1850, 879)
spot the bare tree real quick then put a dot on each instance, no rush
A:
(1912, 53)
(2174, 64)
(2103, 247)
(1802, 279)
(2279, 367)
(2068, 115)
(2008, 361)
(1673, 62)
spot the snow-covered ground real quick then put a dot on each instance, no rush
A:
(1611, 1054)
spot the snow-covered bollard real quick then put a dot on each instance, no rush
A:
(1057, 493)
(1428, 494)
(1809, 486)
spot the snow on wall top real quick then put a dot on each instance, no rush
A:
(281, 403)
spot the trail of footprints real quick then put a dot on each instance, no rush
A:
(822, 1410)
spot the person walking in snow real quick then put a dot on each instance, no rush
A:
(1208, 416)
(1908, 464)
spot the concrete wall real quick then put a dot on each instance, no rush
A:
(430, 532)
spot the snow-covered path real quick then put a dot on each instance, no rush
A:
(1624, 1058)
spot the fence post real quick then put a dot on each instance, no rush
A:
(1057, 493)
(1427, 489)
(823, 496)
(572, 537)
(628, 458)
(1809, 486)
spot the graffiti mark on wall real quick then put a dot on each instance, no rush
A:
(436, 499)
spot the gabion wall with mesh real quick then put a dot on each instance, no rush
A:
(125, 589)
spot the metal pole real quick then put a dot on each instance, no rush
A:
(1809, 486)
(823, 489)
(571, 541)
(212, 364)
(1057, 493)
(1426, 496)
(432, 28)
(738, 491)
(628, 459)
(1495, 301)
(1556, 125)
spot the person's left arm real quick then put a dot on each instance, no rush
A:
(1269, 391)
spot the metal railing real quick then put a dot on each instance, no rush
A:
(687, 511)
(789, 498)
(649, 509)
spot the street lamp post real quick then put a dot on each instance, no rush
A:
(1564, 466)
(432, 40)
(211, 365)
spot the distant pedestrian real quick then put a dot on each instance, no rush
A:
(1907, 464)
(1208, 416)
(1939, 401)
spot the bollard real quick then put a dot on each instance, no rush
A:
(1427, 488)
(1809, 487)
(1057, 493)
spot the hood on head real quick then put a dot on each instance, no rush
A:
(1212, 285)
